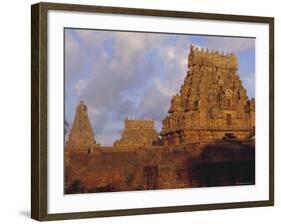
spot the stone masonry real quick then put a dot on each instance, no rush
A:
(137, 132)
(81, 136)
(212, 102)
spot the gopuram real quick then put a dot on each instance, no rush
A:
(81, 136)
(212, 102)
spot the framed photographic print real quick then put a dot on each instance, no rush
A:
(139, 111)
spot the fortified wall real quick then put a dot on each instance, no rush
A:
(109, 169)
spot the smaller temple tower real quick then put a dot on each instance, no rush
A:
(137, 133)
(81, 136)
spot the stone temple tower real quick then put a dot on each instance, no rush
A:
(137, 132)
(81, 136)
(212, 103)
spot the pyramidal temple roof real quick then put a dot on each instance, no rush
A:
(81, 134)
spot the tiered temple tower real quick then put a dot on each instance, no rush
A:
(81, 136)
(137, 133)
(212, 102)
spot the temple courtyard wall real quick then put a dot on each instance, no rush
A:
(109, 169)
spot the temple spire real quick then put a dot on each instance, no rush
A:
(81, 135)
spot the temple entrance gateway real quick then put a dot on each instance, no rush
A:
(151, 177)
(212, 96)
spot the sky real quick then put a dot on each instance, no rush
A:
(135, 74)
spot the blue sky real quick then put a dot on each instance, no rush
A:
(119, 74)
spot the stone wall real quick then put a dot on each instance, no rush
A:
(143, 168)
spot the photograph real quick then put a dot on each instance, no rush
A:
(154, 111)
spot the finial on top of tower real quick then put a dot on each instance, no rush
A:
(191, 47)
(81, 106)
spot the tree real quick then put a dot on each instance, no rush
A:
(76, 187)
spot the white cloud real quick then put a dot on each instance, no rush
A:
(89, 39)
(171, 53)
(164, 89)
(80, 85)
(74, 56)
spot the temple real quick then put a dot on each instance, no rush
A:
(137, 132)
(81, 136)
(212, 103)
